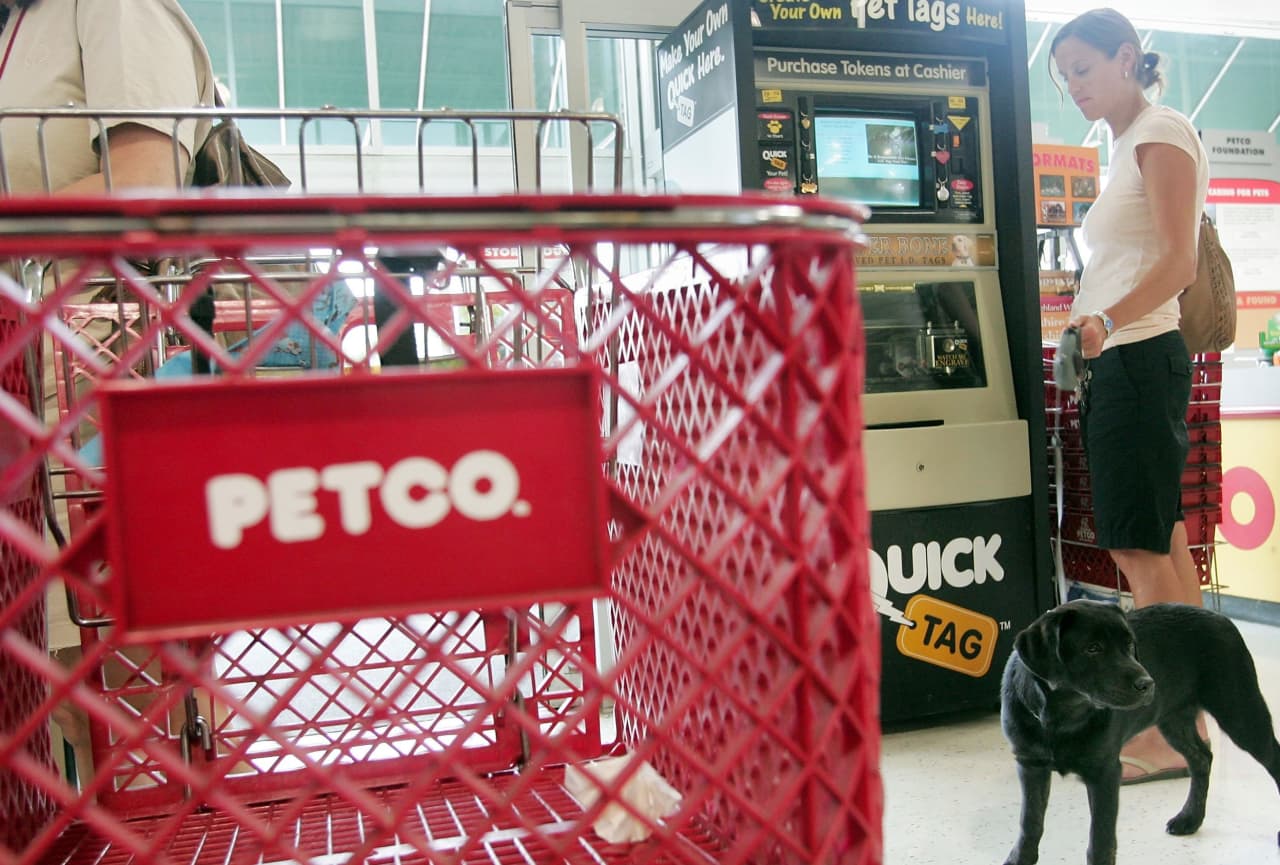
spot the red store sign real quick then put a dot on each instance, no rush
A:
(1243, 191)
(276, 502)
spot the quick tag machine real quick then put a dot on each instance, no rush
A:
(920, 111)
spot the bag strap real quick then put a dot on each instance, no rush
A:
(218, 128)
(13, 37)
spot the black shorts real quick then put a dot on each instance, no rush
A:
(1133, 417)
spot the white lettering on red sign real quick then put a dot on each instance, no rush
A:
(934, 564)
(416, 493)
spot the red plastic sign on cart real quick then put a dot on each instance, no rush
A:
(274, 502)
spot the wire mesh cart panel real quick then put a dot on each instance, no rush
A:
(538, 563)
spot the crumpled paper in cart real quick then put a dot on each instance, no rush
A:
(646, 791)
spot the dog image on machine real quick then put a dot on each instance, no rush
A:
(1085, 677)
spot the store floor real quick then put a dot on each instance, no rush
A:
(952, 797)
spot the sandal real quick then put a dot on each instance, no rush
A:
(1150, 772)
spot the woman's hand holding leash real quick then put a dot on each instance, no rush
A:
(1093, 333)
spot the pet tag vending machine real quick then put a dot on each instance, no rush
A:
(919, 110)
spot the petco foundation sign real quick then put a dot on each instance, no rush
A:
(281, 502)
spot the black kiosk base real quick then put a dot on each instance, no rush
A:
(944, 647)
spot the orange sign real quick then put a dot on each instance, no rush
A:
(948, 636)
(1066, 182)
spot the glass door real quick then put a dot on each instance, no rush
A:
(590, 55)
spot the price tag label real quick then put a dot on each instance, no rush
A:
(948, 636)
(685, 110)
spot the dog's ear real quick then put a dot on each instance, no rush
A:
(1124, 618)
(1037, 645)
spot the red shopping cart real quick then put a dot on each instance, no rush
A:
(397, 614)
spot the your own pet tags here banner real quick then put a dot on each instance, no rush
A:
(976, 19)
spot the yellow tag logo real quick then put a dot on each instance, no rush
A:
(957, 103)
(948, 636)
(770, 96)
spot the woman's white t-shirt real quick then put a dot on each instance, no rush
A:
(1119, 229)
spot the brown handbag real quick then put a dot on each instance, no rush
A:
(1209, 304)
(226, 159)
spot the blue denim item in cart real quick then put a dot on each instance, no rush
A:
(330, 309)
(291, 351)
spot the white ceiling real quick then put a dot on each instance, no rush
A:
(1259, 18)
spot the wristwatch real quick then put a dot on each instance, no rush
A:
(1107, 324)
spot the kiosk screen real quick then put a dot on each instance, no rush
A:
(871, 159)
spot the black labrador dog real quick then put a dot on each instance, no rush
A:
(1085, 677)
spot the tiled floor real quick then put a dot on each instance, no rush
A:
(952, 797)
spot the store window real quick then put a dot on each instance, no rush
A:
(466, 69)
(1244, 98)
(622, 82)
(466, 57)
(329, 57)
(400, 26)
(324, 53)
(241, 38)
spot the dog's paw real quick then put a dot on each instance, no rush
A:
(1185, 824)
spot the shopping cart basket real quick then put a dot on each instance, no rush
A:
(347, 616)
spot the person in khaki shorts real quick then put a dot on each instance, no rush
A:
(105, 54)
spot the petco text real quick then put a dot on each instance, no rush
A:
(415, 493)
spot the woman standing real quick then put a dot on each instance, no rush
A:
(1142, 236)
